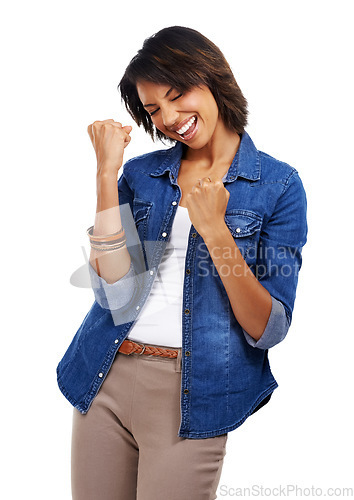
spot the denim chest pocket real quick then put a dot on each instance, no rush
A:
(141, 213)
(245, 227)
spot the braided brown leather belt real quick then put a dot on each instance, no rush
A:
(128, 347)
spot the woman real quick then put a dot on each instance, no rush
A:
(194, 264)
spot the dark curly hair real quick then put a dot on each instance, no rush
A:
(183, 58)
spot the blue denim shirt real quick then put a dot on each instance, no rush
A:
(225, 372)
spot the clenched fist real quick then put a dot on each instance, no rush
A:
(109, 138)
(206, 205)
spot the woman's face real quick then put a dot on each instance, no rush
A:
(191, 117)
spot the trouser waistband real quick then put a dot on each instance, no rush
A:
(129, 347)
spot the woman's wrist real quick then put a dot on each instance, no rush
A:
(107, 192)
(106, 175)
(215, 233)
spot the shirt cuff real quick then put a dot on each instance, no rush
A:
(116, 295)
(275, 330)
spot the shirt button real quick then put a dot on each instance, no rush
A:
(116, 341)
(194, 235)
(187, 353)
(164, 235)
(186, 391)
(238, 230)
(188, 271)
(100, 375)
(187, 311)
(174, 203)
(151, 272)
(137, 308)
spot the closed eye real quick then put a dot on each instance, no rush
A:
(174, 99)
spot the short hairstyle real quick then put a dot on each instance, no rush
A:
(183, 58)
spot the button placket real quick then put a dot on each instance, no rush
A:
(187, 316)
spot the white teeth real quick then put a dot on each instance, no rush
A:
(186, 126)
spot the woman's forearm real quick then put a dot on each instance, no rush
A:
(250, 301)
(114, 264)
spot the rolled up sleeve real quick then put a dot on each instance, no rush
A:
(279, 259)
(116, 295)
(276, 329)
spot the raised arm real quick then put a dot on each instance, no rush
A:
(109, 139)
(112, 275)
(262, 305)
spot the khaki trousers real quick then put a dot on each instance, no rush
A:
(126, 446)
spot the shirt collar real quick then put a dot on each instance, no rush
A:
(246, 162)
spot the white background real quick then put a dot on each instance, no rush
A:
(61, 63)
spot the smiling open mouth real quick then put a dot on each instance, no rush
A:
(187, 131)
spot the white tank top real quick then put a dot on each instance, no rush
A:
(160, 320)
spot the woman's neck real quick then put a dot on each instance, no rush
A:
(221, 149)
